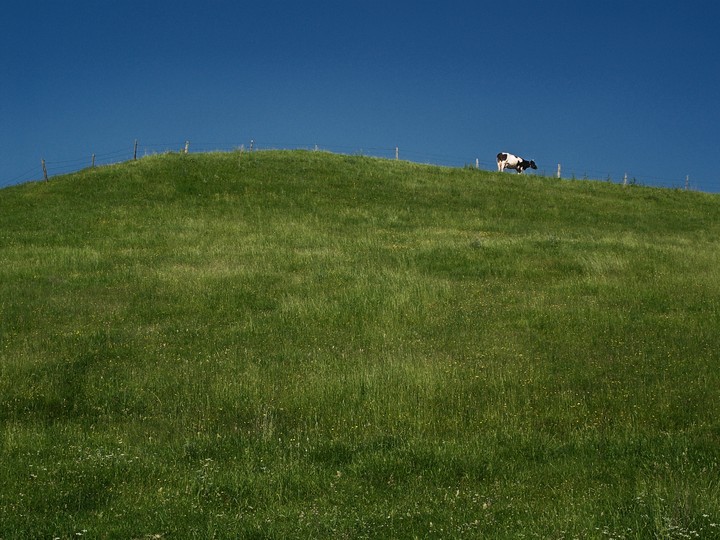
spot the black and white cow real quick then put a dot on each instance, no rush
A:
(514, 162)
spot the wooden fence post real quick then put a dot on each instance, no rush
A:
(625, 180)
(559, 169)
(45, 175)
(687, 181)
(397, 153)
(93, 161)
(477, 163)
(187, 146)
(135, 151)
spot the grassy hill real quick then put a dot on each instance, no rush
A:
(308, 345)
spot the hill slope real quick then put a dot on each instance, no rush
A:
(298, 344)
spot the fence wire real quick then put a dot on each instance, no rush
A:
(568, 171)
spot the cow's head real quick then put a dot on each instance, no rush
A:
(532, 164)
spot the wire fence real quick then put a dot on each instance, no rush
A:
(49, 169)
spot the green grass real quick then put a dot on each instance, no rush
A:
(307, 345)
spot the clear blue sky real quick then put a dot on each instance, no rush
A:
(602, 87)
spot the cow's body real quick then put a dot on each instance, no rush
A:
(509, 161)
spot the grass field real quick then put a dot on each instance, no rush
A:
(308, 345)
